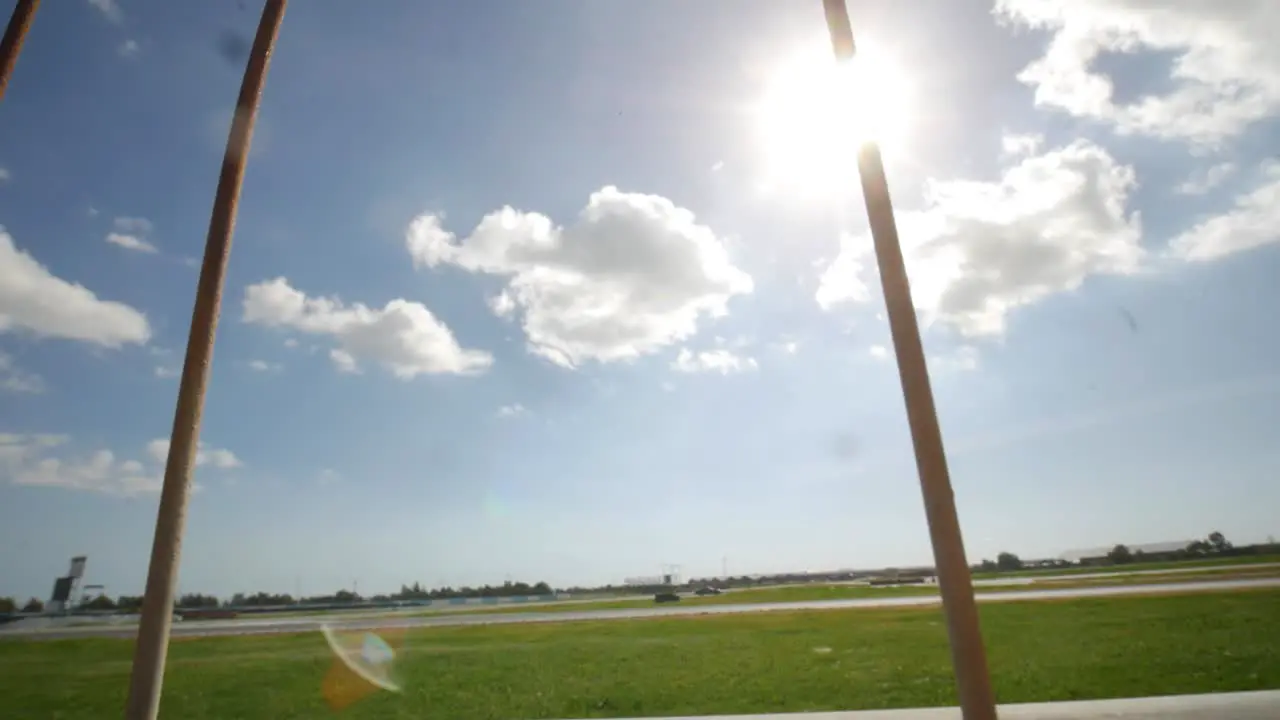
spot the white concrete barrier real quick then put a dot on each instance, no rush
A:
(1262, 705)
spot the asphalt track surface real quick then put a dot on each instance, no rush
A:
(260, 626)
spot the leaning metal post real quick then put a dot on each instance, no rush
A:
(166, 549)
(19, 22)
(968, 655)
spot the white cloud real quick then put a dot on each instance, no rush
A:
(1017, 145)
(16, 380)
(980, 249)
(842, 281)
(291, 343)
(33, 299)
(510, 411)
(1225, 74)
(130, 232)
(36, 460)
(1254, 221)
(263, 366)
(720, 360)
(5, 175)
(328, 476)
(633, 274)
(128, 48)
(165, 371)
(1203, 182)
(878, 352)
(109, 9)
(220, 458)
(404, 336)
(130, 242)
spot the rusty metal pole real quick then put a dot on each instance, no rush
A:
(968, 654)
(166, 549)
(19, 22)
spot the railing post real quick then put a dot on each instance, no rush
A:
(968, 654)
(166, 549)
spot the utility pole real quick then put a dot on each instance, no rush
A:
(968, 654)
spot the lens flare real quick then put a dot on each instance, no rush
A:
(364, 662)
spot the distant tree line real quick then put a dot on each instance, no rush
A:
(1214, 545)
(9, 605)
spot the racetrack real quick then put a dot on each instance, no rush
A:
(124, 628)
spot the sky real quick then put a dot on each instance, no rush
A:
(573, 290)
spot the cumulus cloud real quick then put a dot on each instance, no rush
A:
(35, 300)
(130, 242)
(980, 249)
(39, 460)
(721, 361)
(1252, 222)
(403, 336)
(631, 275)
(130, 233)
(1208, 179)
(1224, 76)
(264, 366)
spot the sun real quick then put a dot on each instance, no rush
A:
(815, 113)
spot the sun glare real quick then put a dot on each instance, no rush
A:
(816, 112)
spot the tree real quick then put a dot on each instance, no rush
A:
(1218, 542)
(1120, 555)
(191, 601)
(34, 605)
(7, 605)
(1008, 561)
(102, 602)
(129, 602)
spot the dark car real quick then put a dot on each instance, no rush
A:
(707, 591)
(666, 597)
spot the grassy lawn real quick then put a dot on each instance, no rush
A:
(767, 662)
(1210, 562)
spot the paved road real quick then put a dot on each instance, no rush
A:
(256, 626)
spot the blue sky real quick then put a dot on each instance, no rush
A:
(671, 349)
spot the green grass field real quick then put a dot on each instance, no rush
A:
(766, 662)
